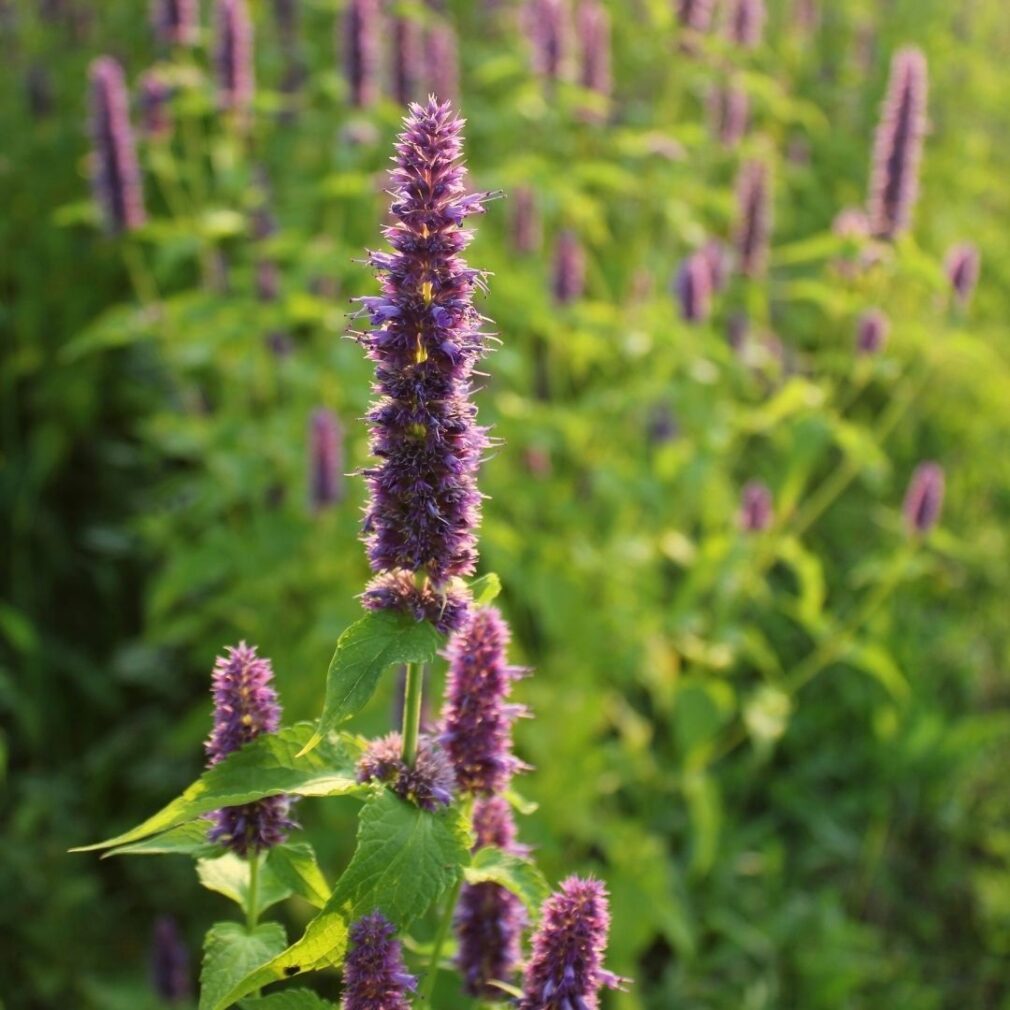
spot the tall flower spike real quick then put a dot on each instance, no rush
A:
(375, 977)
(175, 21)
(325, 459)
(569, 278)
(694, 288)
(116, 172)
(428, 783)
(897, 149)
(424, 507)
(753, 227)
(924, 498)
(155, 113)
(233, 57)
(547, 25)
(489, 920)
(728, 113)
(695, 14)
(406, 61)
(745, 21)
(245, 707)
(755, 507)
(170, 976)
(962, 265)
(871, 333)
(592, 29)
(526, 236)
(476, 717)
(442, 59)
(565, 968)
(361, 51)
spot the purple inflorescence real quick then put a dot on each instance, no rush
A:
(526, 235)
(755, 507)
(728, 113)
(694, 288)
(871, 333)
(592, 31)
(375, 977)
(718, 256)
(962, 264)
(245, 707)
(325, 459)
(695, 14)
(477, 718)
(445, 608)
(489, 920)
(175, 21)
(753, 227)
(170, 977)
(565, 968)
(442, 60)
(924, 498)
(233, 56)
(428, 783)
(547, 25)
(745, 22)
(155, 114)
(897, 149)
(361, 51)
(569, 275)
(116, 172)
(406, 61)
(426, 337)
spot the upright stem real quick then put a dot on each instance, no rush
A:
(252, 911)
(428, 985)
(413, 690)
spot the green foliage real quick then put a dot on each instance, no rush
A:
(516, 874)
(230, 951)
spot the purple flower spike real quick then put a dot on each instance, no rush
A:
(175, 21)
(547, 25)
(592, 30)
(116, 173)
(871, 334)
(569, 279)
(245, 707)
(375, 977)
(445, 608)
(694, 288)
(526, 234)
(442, 58)
(477, 718)
(155, 114)
(233, 57)
(489, 920)
(962, 264)
(695, 14)
(745, 23)
(718, 257)
(924, 498)
(755, 507)
(425, 340)
(728, 113)
(406, 62)
(325, 459)
(565, 968)
(170, 977)
(428, 783)
(753, 228)
(897, 149)
(361, 51)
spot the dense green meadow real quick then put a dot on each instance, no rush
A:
(782, 749)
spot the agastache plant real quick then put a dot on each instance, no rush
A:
(375, 977)
(695, 14)
(592, 30)
(924, 498)
(694, 288)
(442, 59)
(745, 22)
(175, 21)
(753, 225)
(325, 459)
(406, 59)
(569, 275)
(871, 332)
(361, 51)
(233, 57)
(962, 264)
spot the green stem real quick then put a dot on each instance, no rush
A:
(252, 909)
(141, 278)
(428, 985)
(413, 692)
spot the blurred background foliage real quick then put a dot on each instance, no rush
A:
(782, 823)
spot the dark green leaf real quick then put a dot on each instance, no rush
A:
(188, 839)
(520, 876)
(291, 999)
(295, 864)
(230, 952)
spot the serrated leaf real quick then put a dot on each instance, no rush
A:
(515, 873)
(364, 650)
(267, 766)
(405, 858)
(230, 952)
(188, 839)
(295, 864)
(485, 589)
(229, 875)
(291, 999)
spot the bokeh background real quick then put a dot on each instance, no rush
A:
(782, 821)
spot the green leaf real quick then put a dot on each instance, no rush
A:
(295, 865)
(364, 650)
(230, 952)
(229, 875)
(520, 876)
(485, 589)
(267, 766)
(188, 839)
(875, 660)
(405, 858)
(290, 999)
